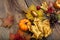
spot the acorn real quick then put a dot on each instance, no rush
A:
(33, 13)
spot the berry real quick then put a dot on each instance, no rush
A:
(50, 10)
(38, 7)
(53, 19)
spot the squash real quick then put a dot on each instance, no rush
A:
(23, 24)
(57, 4)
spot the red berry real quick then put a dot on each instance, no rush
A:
(38, 7)
(50, 10)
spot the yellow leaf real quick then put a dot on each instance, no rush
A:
(32, 7)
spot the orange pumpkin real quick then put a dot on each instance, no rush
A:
(23, 24)
(57, 4)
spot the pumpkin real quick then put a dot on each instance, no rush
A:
(23, 24)
(57, 4)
